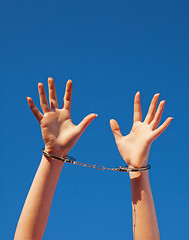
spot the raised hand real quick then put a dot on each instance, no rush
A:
(58, 131)
(135, 147)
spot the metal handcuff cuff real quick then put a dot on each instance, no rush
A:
(72, 160)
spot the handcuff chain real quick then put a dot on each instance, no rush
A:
(72, 160)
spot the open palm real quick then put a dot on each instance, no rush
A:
(135, 147)
(58, 131)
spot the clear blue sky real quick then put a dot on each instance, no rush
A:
(110, 49)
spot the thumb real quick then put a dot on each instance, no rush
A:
(86, 121)
(115, 129)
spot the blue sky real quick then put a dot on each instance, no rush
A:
(110, 50)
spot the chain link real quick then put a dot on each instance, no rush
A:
(97, 167)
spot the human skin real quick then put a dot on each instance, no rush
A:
(134, 149)
(59, 135)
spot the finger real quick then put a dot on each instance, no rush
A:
(52, 94)
(160, 129)
(158, 115)
(68, 95)
(115, 129)
(152, 109)
(85, 122)
(43, 99)
(137, 108)
(34, 109)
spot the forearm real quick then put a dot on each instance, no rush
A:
(145, 226)
(35, 213)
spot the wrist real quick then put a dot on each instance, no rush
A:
(136, 162)
(52, 163)
(57, 151)
(137, 175)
